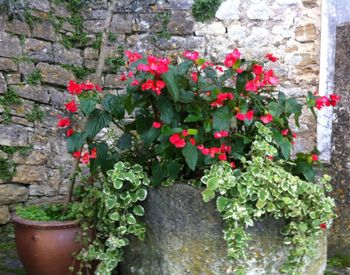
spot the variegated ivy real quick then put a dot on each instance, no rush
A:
(112, 209)
(264, 188)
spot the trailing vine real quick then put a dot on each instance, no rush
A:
(264, 188)
(115, 216)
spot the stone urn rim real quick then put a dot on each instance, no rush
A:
(47, 225)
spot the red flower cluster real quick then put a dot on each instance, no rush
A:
(124, 77)
(323, 226)
(314, 157)
(71, 106)
(77, 88)
(133, 56)
(155, 66)
(157, 125)
(216, 151)
(85, 158)
(267, 118)
(327, 101)
(262, 78)
(63, 122)
(194, 77)
(191, 55)
(221, 134)
(221, 98)
(231, 58)
(179, 141)
(155, 86)
(248, 115)
(270, 57)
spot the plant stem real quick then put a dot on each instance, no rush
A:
(97, 80)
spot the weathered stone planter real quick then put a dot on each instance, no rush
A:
(184, 236)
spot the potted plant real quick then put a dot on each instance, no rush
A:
(173, 121)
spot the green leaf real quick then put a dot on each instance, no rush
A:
(149, 136)
(221, 203)
(208, 195)
(114, 105)
(283, 143)
(117, 184)
(192, 132)
(263, 195)
(303, 227)
(114, 216)
(213, 183)
(96, 122)
(186, 97)
(130, 219)
(76, 141)
(125, 141)
(191, 155)
(141, 194)
(292, 106)
(194, 117)
(222, 119)
(287, 200)
(260, 204)
(170, 80)
(166, 110)
(138, 210)
(87, 105)
(275, 109)
(184, 67)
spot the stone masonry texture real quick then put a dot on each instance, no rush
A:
(289, 29)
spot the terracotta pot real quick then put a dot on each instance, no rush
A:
(46, 248)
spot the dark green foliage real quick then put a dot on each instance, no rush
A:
(8, 99)
(79, 71)
(115, 63)
(164, 17)
(36, 114)
(98, 41)
(112, 37)
(204, 10)
(6, 169)
(52, 212)
(34, 78)
(31, 19)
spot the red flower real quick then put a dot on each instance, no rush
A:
(285, 132)
(192, 141)
(185, 133)
(222, 157)
(239, 70)
(69, 132)
(251, 86)
(270, 78)
(63, 122)
(323, 226)
(93, 153)
(191, 55)
(156, 125)
(148, 85)
(314, 157)
(258, 69)
(334, 99)
(74, 88)
(155, 65)
(130, 74)
(240, 116)
(159, 85)
(194, 76)
(87, 86)
(176, 140)
(71, 106)
(123, 77)
(233, 165)
(294, 135)
(98, 88)
(231, 58)
(221, 134)
(270, 157)
(76, 154)
(135, 82)
(133, 56)
(266, 118)
(219, 68)
(85, 158)
(270, 57)
(249, 115)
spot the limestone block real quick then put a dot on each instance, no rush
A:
(310, 3)
(54, 74)
(7, 65)
(58, 98)
(95, 14)
(4, 214)
(35, 157)
(66, 56)
(13, 79)
(38, 50)
(181, 23)
(13, 135)
(29, 174)
(40, 5)
(31, 92)
(228, 10)
(122, 23)
(236, 32)
(213, 29)
(259, 11)
(184, 236)
(9, 45)
(18, 27)
(287, 2)
(44, 30)
(181, 43)
(26, 68)
(112, 81)
(90, 53)
(181, 4)
(306, 33)
(3, 85)
(12, 193)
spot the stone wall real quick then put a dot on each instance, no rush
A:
(33, 38)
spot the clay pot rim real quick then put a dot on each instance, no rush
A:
(18, 221)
